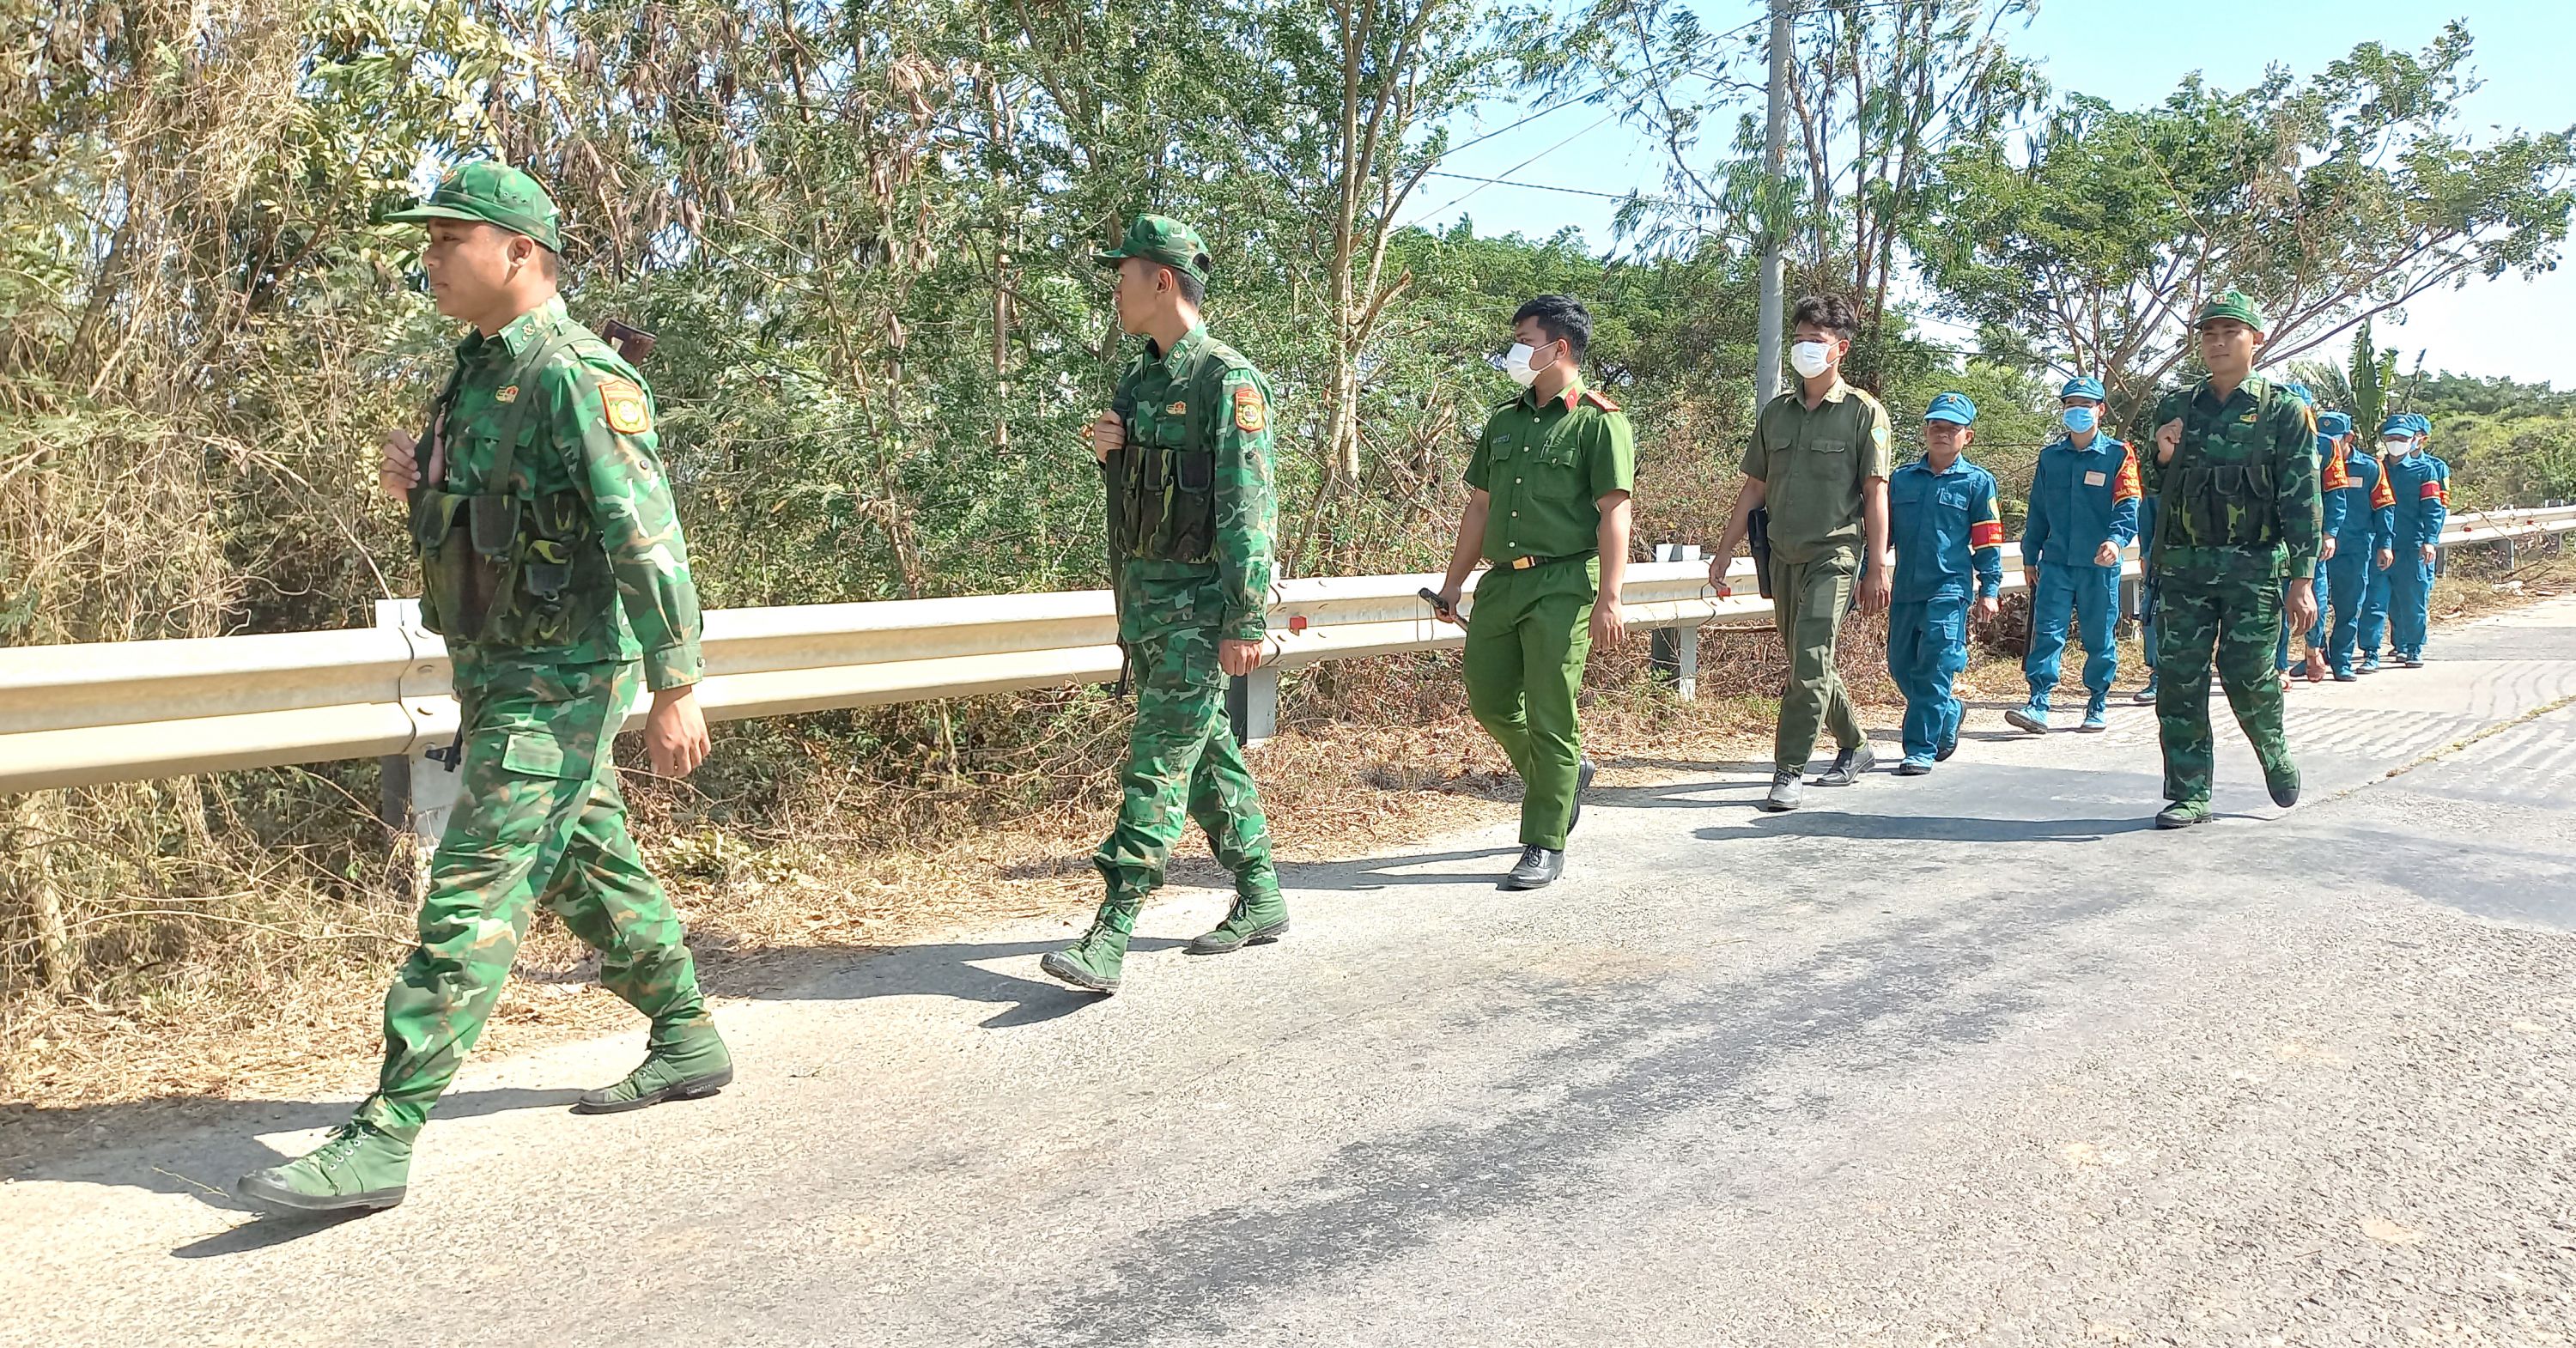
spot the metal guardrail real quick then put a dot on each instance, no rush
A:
(86, 714)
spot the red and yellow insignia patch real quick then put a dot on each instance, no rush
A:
(509, 393)
(1180, 409)
(628, 411)
(1251, 414)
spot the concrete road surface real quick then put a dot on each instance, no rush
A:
(1978, 1058)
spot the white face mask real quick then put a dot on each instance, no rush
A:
(1810, 359)
(1516, 363)
(2397, 447)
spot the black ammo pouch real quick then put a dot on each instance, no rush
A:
(1757, 538)
(1170, 491)
(506, 567)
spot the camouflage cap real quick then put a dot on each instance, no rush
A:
(2235, 304)
(495, 194)
(1159, 238)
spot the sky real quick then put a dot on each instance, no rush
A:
(2132, 54)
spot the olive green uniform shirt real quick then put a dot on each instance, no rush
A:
(1547, 468)
(1813, 464)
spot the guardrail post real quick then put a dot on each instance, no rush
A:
(417, 794)
(1674, 651)
(1252, 705)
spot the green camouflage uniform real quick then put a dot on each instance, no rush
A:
(2237, 512)
(538, 818)
(1191, 510)
(552, 562)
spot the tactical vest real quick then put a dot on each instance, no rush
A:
(508, 567)
(1162, 481)
(2218, 491)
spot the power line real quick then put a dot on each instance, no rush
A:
(1507, 173)
(1538, 187)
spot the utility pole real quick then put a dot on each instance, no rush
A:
(1775, 138)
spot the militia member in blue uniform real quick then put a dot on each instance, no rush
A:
(2359, 542)
(2083, 511)
(2421, 484)
(1949, 539)
(2333, 483)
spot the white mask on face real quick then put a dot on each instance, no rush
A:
(2397, 447)
(1516, 363)
(1810, 359)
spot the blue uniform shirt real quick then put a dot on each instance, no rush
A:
(2421, 484)
(1945, 526)
(2334, 485)
(2079, 500)
(2369, 511)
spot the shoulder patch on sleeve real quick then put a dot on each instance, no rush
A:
(1251, 414)
(1598, 399)
(629, 411)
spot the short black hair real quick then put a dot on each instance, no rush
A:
(549, 263)
(1192, 288)
(1561, 318)
(1833, 313)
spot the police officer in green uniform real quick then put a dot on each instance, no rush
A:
(2236, 478)
(552, 562)
(1818, 462)
(1548, 508)
(1185, 456)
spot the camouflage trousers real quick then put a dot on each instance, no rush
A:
(538, 821)
(1182, 764)
(2222, 608)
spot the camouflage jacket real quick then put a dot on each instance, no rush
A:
(2244, 479)
(592, 435)
(1191, 493)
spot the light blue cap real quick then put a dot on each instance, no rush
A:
(2333, 423)
(1953, 408)
(2082, 386)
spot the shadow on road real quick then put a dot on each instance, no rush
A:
(1896, 827)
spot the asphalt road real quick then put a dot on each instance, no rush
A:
(1978, 1058)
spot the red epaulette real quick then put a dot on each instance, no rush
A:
(1598, 399)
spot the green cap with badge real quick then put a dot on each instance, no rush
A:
(495, 194)
(1159, 238)
(2235, 304)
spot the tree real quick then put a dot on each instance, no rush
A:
(1880, 90)
(2330, 202)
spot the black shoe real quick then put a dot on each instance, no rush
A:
(1537, 868)
(1948, 747)
(1786, 789)
(2284, 788)
(2411, 661)
(1582, 783)
(1849, 765)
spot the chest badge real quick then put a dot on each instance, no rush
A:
(509, 394)
(1180, 409)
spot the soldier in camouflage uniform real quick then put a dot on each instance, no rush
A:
(552, 562)
(2235, 473)
(1186, 457)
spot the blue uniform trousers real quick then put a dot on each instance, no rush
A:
(1927, 647)
(2353, 580)
(2091, 596)
(2316, 633)
(2410, 598)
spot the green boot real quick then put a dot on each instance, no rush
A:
(1255, 918)
(687, 1063)
(1093, 962)
(357, 1169)
(2183, 814)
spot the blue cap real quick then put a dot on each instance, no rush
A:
(2297, 390)
(2082, 386)
(1951, 407)
(2333, 423)
(2422, 425)
(2399, 422)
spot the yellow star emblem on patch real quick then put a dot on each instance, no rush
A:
(628, 411)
